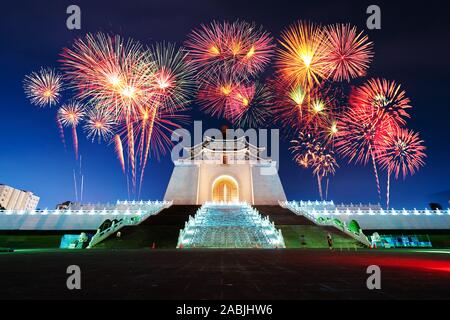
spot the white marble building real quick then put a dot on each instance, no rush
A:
(225, 170)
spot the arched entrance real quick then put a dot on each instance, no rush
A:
(225, 189)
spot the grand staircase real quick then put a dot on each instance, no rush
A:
(232, 225)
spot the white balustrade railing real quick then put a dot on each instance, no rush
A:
(126, 211)
(129, 220)
(355, 210)
(314, 216)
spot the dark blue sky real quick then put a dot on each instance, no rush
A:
(412, 48)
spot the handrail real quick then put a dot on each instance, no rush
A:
(126, 221)
(355, 210)
(292, 206)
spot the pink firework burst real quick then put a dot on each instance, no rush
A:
(386, 97)
(401, 151)
(349, 53)
(250, 105)
(240, 48)
(215, 95)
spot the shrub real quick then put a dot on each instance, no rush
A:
(354, 227)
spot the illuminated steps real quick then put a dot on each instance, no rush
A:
(229, 225)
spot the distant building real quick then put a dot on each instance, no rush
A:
(440, 198)
(64, 206)
(15, 199)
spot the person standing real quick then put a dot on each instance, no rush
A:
(330, 241)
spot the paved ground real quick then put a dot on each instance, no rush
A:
(226, 274)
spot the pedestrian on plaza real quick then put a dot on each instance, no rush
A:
(330, 241)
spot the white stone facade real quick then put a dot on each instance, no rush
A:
(193, 178)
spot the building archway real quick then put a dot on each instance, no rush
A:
(225, 189)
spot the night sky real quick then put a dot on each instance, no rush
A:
(412, 48)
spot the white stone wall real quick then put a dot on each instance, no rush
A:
(399, 222)
(51, 221)
(183, 184)
(267, 187)
(191, 183)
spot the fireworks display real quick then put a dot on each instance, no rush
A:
(228, 58)
(313, 153)
(43, 88)
(301, 60)
(401, 151)
(250, 105)
(134, 96)
(384, 97)
(133, 91)
(70, 115)
(174, 76)
(240, 48)
(348, 53)
(99, 125)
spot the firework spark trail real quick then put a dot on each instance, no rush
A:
(81, 189)
(375, 172)
(319, 184)
(151, 123)
(388, 188)
(131, 154)
(75, 141)
(61, 132)
(43, 88)
(119, 152)
(75, 185)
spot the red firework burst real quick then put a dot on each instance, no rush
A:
(215, 95)
(110, 71)
(401, 151)
(348, 52)
(249, 105)
(240, 48)
(360, 131)
(206, 46)
(386, 97)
